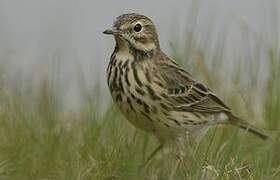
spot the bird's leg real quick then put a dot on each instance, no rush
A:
(154, 152)
(180, 154)
(177, 164)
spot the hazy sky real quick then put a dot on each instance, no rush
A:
(35, 32)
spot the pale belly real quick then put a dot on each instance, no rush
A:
(135, 113)
(152, 121)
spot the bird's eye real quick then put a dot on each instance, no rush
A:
(137, 27)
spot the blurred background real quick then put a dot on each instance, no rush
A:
(39, 37)
(57, 120)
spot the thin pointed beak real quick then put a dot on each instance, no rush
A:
(111, 31)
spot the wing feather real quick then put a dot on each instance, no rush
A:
(185, 93)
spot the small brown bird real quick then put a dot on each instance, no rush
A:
(154, 93)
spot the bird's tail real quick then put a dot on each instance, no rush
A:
(247, 127)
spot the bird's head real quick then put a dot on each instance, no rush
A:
(135, 31)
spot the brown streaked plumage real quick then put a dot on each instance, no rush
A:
(153, 92)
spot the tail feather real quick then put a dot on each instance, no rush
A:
(247, 127)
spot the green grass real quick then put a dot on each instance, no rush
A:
(40, 141)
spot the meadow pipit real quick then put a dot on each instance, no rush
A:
(153, 92)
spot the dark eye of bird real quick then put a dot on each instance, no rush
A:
(137, 28)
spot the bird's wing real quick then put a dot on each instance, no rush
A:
(186, 94)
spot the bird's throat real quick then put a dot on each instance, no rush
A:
(126, 48)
